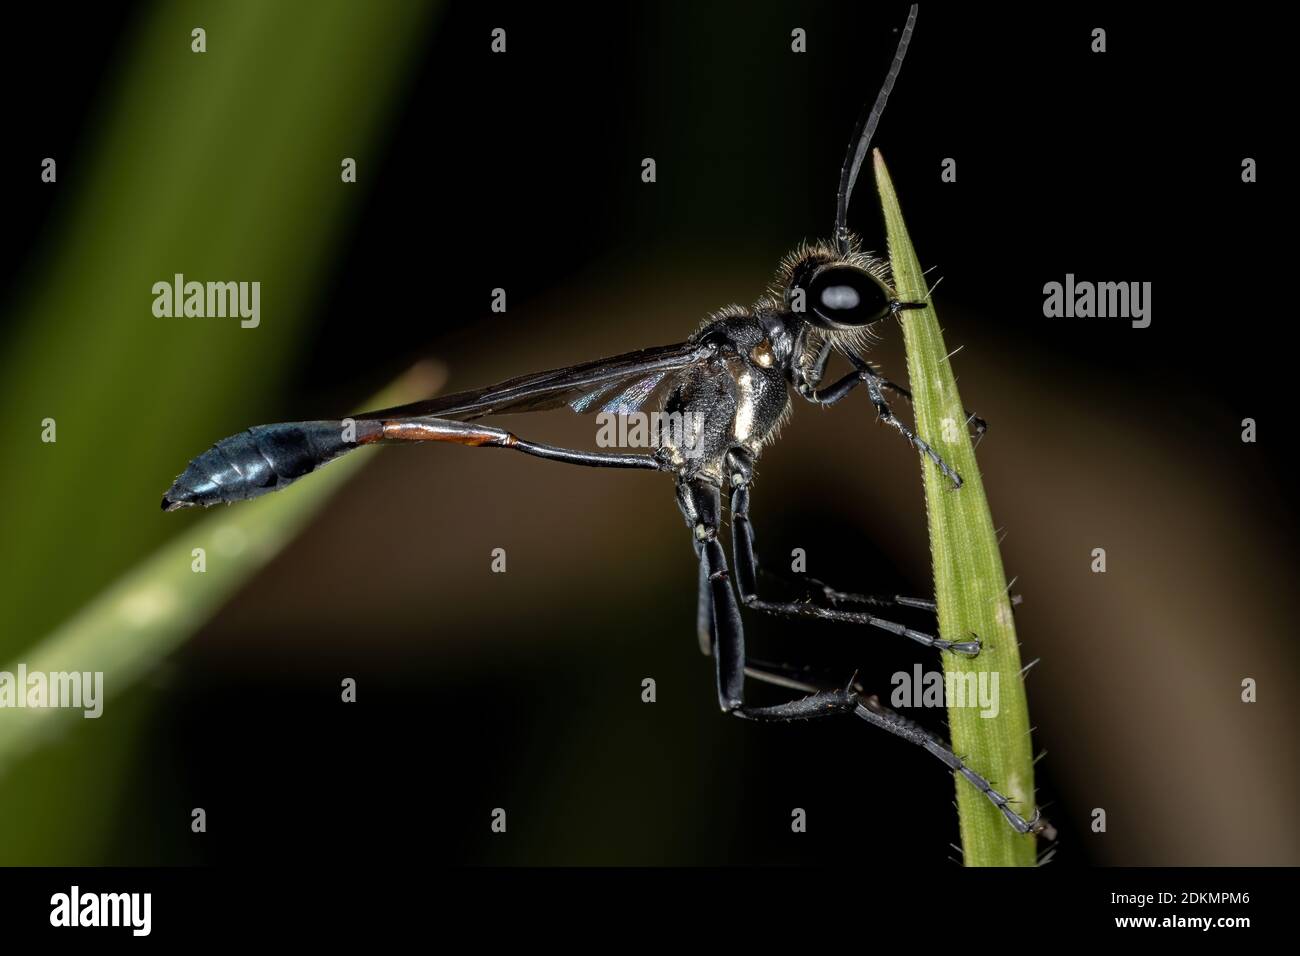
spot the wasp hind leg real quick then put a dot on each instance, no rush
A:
(700, 503)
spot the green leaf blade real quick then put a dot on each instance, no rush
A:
(970, 584)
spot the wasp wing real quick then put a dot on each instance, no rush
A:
(619, 384)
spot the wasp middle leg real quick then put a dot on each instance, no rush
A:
(740, 468)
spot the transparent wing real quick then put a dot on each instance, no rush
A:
(619, 384)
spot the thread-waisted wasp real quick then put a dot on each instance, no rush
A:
(733, 377)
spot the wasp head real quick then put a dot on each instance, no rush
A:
(836, 292)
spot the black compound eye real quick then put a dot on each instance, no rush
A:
(844, 297)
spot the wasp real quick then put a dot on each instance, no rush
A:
(734, 379)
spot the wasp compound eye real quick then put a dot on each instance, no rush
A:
(843, 297)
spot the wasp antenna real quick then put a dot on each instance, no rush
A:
(861, 138)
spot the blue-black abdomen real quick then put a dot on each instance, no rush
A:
(263, 458)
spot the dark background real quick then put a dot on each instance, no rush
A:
(522, 690)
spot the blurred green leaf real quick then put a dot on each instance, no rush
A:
(130, 627)
(223, 166)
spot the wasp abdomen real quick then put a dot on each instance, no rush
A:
(262, 459)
